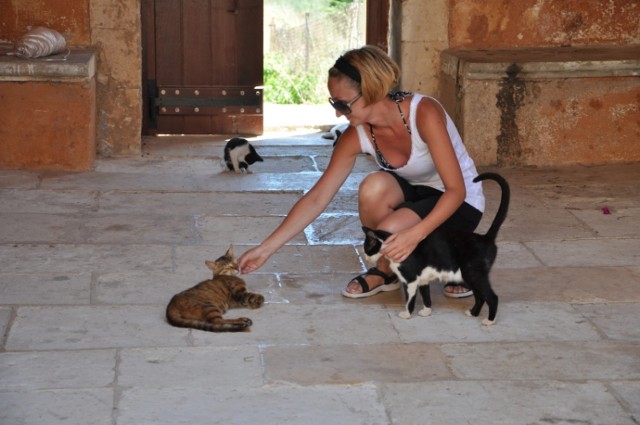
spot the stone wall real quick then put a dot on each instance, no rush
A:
(112, 28)
(428, 28)
(116, 35)
(423, 35)
(505, 23)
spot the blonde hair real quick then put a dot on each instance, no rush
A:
(379, 74)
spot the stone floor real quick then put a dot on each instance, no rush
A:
(88, 262)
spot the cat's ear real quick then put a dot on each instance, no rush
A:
(230, 251)
(210, 265)
(381, 234)
(372, 235)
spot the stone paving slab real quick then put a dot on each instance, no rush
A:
(214, 228)
(34, 228)
(91, 327)
(364, 163)
(5, 318)
(618, 321)
(282, 324)
(18, 179)
(144, 229)
(623, 222)
(157, 287)
(585, 176)
(186, 367)
(345, 202)
(331, 229)
(512, 255)
(629, 396)
(570, 284)
(207, 165)
(81, 258)
(322, 288)
(289, 259)
(198, 203)
(144, 288)
(14, 201)
(57, 407)
(587, 252)
(45, 288)
(57, 369)
(183, 182)
(559, 360)
(577, 197)
(504, 403)
(544, 224)
(99, 229)
(283, 405)
(515, 322)
(354, 364)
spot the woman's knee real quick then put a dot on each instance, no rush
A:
(380, 188)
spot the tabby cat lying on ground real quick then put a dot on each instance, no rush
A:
(202, 306)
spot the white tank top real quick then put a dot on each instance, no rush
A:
(420, 169)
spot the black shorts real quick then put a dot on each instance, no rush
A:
(422, 200)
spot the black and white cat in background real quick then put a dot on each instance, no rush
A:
(450, 255)
(335, 132)
(239, 154)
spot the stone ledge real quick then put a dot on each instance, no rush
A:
(545, 106)
(543, 62)
(78, 66)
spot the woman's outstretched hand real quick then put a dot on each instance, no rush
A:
(252, 260)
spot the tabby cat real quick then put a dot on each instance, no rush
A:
(202, 306)
(450, 255)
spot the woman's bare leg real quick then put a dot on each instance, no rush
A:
(378, 196)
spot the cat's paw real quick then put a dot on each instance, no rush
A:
(255, 301)
(404, 315)
(488, 322)
(468, 313)
(425, 312)
(245, 321)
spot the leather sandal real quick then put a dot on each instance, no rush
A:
(391, 283)
(464, 294)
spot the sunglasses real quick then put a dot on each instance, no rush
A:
(344, 107)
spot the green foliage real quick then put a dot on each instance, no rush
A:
(308, 5)
(283, 85)
(337, 4)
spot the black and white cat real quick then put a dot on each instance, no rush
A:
(335, 132)
(239, 154)
(450, 255)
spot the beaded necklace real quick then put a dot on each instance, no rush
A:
(397, 97)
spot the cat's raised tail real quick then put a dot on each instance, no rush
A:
(501, 215)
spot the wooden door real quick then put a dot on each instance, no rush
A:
(202, 66)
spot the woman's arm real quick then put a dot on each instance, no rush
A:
(309, 206)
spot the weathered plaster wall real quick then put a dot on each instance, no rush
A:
(428, 27)
(423, 36)
(508, 23)
(69, 17)
(112, 28)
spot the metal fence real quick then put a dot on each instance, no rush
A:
(311, 47)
